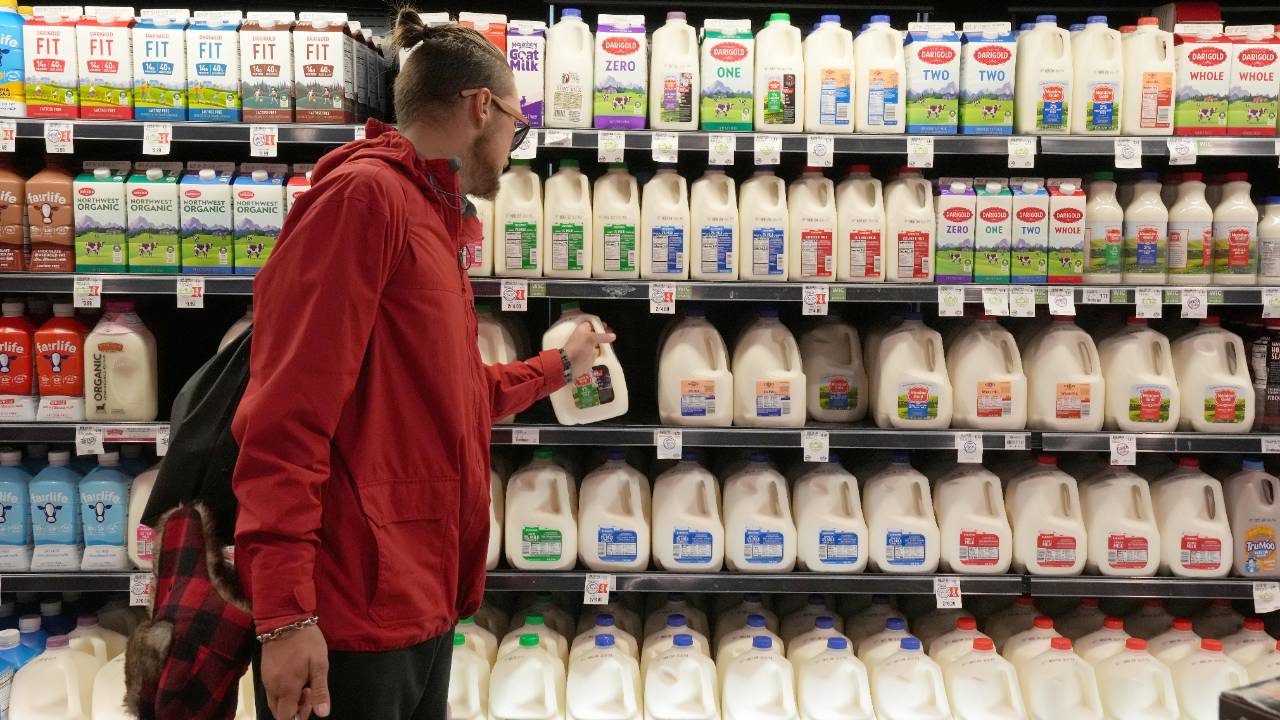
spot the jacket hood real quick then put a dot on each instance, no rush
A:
(383, 143)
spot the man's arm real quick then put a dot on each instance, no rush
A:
(515, 386)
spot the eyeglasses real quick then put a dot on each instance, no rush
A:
(522, 123)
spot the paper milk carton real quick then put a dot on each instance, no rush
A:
(1255, 80)
(490, 25)
(728, 61)
(266, 68)
(1030, 230)
(988, 53)
(13, 102)
(1202, 58)
(621, 72)
(213, 67)
(323, 78)
(106, 63)
(160, 65)
(955, 205)
(151, 198)
(204, 209)
(526, 46)
(299, 183)
(933, 78)
(101, 217)
(51, 67)
(1066, 230)
(993, 230)
(258, 206)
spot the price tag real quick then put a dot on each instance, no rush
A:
(1124, 449)
(1062, 301)
(59, 138)
(968, 447)
(920, 152)
(609, 146)
(1271, 444)
(662, 298)
(822, 151)
(995, 300)
(1022, 301)
(262, 140)
(528, 148)
(947, 590)
(1022, 152)
(670, 444)
(1182, 150)
(140, 589)
(1266, 597)
(190, 292)
(816, 297)
(1015, 441)
(666, 147)
(720, 148)
(597, 589)
(8, 135)
(815, 443)
(515, 295)
(1271, 302)
(950, 301)
(87, 290)
(768, 149)
(1195, 302)
(1128, 152)
(1148, 302)
(156, 138)
(525, 436)
(1096, 296)
(556, 138)
(162, 441)
(359, 130)
(89, 440)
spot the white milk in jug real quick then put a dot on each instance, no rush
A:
(933, 77)
(981, 684)
(1202, 676)
(693, 374)
(1254, 518)
(913, 389)
(1250, 643)
(1048, 531)
(900, 519)
(1104, 230)
(956, 204)
(58, 683)
(1219, 620)
(880, 81)
(986, 375)
(759, 682)
(1213, 377)
(541, 531)
(598, 392)
(613, 517)
(468, 682)
(1202, 60)
(836, 380)
(566, 213)
(681, 682)
(1121, 524)
(861, 227)
(760, 535)
(527, 684)
(828, 78)
(674, 80)
(1195, 537)
(908, 686)
(1146, 230)
(604, 681)
(568, 95)
(769, 387)
(1030, 231)
(1103, 643)
(1044, 77)
(1137, 365)
(815, 239)
(616, 224)
(779, 77)
(1098, 85)
(974, 528)
(1235, 234)
(1174, 643)
(764, 224)
(1030, 643)
(728, 61)
(518, 222)
(1269, 243)
(1064, 379)
(829, 523)
(1133, 684)
(1190, 247)
(911, 228)
(988, 58)
(833, 683)
(1148, 80)
(713, 234)
(1015, 618)
(665, 228)
(954, 645)
(621, 72)
(1060, 685)
(688, 535)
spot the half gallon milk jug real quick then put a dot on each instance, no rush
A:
(1064, 379)
(760, 535)
(860, 225)
(541, 531)
(527, 683)
(616, 225)
(811, 205)
(1190, 246)
(985, 368)
(1174, 643)
(1042, 96)
(15, 531)
(570, 72)
(468, 682)
(1059, 685)
(599, 393)
(1146, 233)
(765, 226)
(688, 535)
(714, 236)
(1048, 530)
(1254, 516)
(1148, 80)
(981, 685)
(57, 684)
(1195, 537)
(835, 379)
(1137, 366)
(665, 229)
(913, 390)
(497, 345)
(517, 220)
(139, 538)
(779, 77)
(911, 225)
(758, 683)
(1202, 676)
(1133, 685)
(1102, 643)
(121, 353)
(480, 263)
(674, 81)
(1121, 524)
(828, 80)
(833, 684)
(1098, 85)
(1213, 377)
(1104, 231)
(831, 531)
(974, 528)
(880, 81)
(681, 683)
(613, 517)
(55, 520)
(908, 686)
(769, 386)
(900, 520)
(566, 211)
(604, 682)
(1235, 234)
(695, 386)
(104, 494)
(1250, 643)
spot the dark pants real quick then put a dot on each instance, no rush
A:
(407, 684)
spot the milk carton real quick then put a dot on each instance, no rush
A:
(727, 78)
(621, 72)
(933, 78)
(526, 46)
(355, 51)
(955, 206)
(1202, 56)
(204, 208)
(160, 65)
(101, 218)
(13, 102)
(1255, 80)
(266, 67)
(106, 65)
(988, 54)
(993, 230)
(300, 182)
(324, 81)
(152, 207)
(1066, 230)
(258, 212)
(213, 66)
(490, 25)
(1030, 230)
(51, 69)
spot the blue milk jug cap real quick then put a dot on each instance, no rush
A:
(865, 26)
(907, 643)
(1047, 19)
(763, 642)
(1148, 176)
(1027, 26)
(1251, 464)
(837, 643)
(895, 624)
(1273, 199)
(675, 620)
(1097, 19)
(689, 456)
(756, 621)
(604, 640)
(571, 12)
(759, 457)
(833, 457)
(880, 18)
(682, 640)
(901, 456)
(605, 620)
(1076, 27)
(824, 623)
(617, 454)
(831, 19)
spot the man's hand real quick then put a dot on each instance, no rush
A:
(581, 347)
(295, 673)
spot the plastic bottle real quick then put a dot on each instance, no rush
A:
(1102, 643)
(625, 619)
(1104, 236)
(884, 643)
(734, 643)
(758, 683)
(1146, 232)
(1191, 253)
(802, 619)
(936, 623)
(900, 519)
(1003, 624)
(1061, 397)
(58, 534)
(468, 682)
(13, 652)
(1196, 540)
(60, 364)
(548, 638)
(911, 228)
(1173, 643)
(952, 646)
(541, 531)
(1254, 516)
(31, 634)
(479, 248)
(779, 77)
(1269, 243)
(815, 641)
(527, 683)
(662, 639)
(831, 530)
(681, 682)
(569, 73)
(1048, 530)
(613, 517)
(1213, 377)
(912, 386)
(835, 379)
(736, 617)
(666, 252)
(1148, 80)
(1044, 73)
(1029, 643)
(15, 532)
(1218, 621)
(674, 80)
(764, 226)
(1250, 643)
(760, 535)
(871, 620)
(985, 368)
(1235, 234)
(975, 534)
(478, 638)
(1124, 539)
(1133, 685)
(829, 84)
(833, 683)
(91, 638)
(695, 385)
(769, 382)
(861, 229)
(981, 685)
(908, 686)
(597, 394)
(879, 86)
(1265, 667)
(546, 605)
(1098, 86)
(1084, 619)
(57, 684)
(604, 681)
(517, 220)
(17, 363)
(567, 214)
(1059, 684)
(1202, 676)
(104, 494)
(713, 204)
(616, 224)
(688, 534)
(815, 241)
(604, 625)
(139, 538)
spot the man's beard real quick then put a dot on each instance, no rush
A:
(478, 177)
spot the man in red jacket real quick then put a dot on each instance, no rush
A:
(363, 477)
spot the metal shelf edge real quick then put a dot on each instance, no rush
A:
(1148, 587)
(797, 582)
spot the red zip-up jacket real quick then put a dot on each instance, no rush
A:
(363, 478)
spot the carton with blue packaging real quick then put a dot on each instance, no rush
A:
(988, 53)
(259, 212)
(1030, 231)
(55, 517)
(104, 504)
(15, 514)
(213, 66)
(160, 65)
(933, 77)
(204, 202)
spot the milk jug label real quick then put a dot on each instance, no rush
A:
(1190, 248)
(104, 517)
(834, 96)
(864, 253)
(836, 547)
(979, 548)
(882, 97)
(145, 543)
(913, 254)
(995, 399)
(1126, 552)
(817, 258)
(717, 249)
(567, 99)
(767, 250)
(541, 544)
(697, 398)
(691, 546)
(593, 388)
(1260, 549)
(773, 398)
(1149, 403)
(1235, 248)
(763, 546)
(1145, 246)
(667, 243)
(1054, 550)
(918, 400)
(677, 97)
(522, 245)
(1051, 107)
(1201, 553)
(780, 99)
(620, 247)
(1100, 112)
(1157, 100)
(837, 392)
(616, 545)
(1105, 242)
(903, 547)
(727, 75)
(1224, 403)
(14, 529)
(1073, 401)
(567, 247)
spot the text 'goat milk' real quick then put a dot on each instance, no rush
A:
(933, 77)
(526, 48)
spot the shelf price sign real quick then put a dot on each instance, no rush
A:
(662, 298)
(609, 146)
(1124, 449)
(156, 138)
(191, 292)
(1022, 301)
(8, 135)
(666, 147)
(1022, 152)
(969, 447)
(995, 300)
(87, 291)
(140, 585)
(597, 588)
(947, 592)
(515, 295)
(821, 150)
(768, 149)
(1195, 302)
(1271, 302)
(59, 138)
(89, 440)
(1148, 302)
(1266, 597)
(263, 140)
(670, 444)
(1128, 152)
(720, 147)
(1182, 150)
(817, 298)
(920, 152)
(816, 445)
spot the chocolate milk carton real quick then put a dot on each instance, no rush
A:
(160, 65)
(955, 204)
(526, 48)
(13, 204)
(993, 230)
(51, 218)
(266, 67)
(621, 72)
(213, 66)
(299, 183)
(933, 78)
(1255, 80)
(728, 65)
(1030, 231)
(1202, 58)
(258, 206)
(204, 209)
(323, 76)
(1066, 230)
(101, 219)
(52, 70)
(103, 45)
(152, 201)
(988, 53)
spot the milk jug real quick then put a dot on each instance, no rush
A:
(544, 604)
(952, 646)
(1265, 667)
(1213, 377)
(109, 690)
(1104, 230)
(1174, 643)
(911, 225)
(1148, 80)
(1254, 519)
(517, 221)
(1219, 620)
(566, 212)
(681, 683)
(615, 224)
(779, 77)
(673, 624)
(1196, 540)
(1048, 530)
(693, 373)
(139, 538)
(57, 684)
(548, 639)
(727, 65)
(541, 531)
(880, 81)
(468, 682)
(815, 240)
(1030, 643)
(527, 684)
(956, 204)
(599, 393)
(735, 643)
(1146, 229)
(665, 226)
(1190, 248)
(714, 227)
(1121, 525)
(829, 79)
(1269, 243)
(104, 494)
(1137, 366)
(15, 522)
(814, 642)
(1250, 643)
(604, 682)
(884, 643)
(903, 534)
(604, 625)
(760, 535)
(936, 623)
(981, 685)
(55, 520)
(613, 512)
(497, 346)
(92, 639)
(764, 225)
(1044, 75)
(871, 620)
(674, 81)
(1133, 685)
(1057, 684)
(836, 381)
(1235, 234)
(769, 382)
(913, 389)
(1003, 624)
(832, 534)
(974, 528)
(1102, 643)
(986, 375)
(736, 617)
(1084, 619)
(569, 73)
(860, 228)
(833, 684)
(908, 686)
(688, 534)
(1064, 374)
(478, 639)
(479, 258)
(121, 356)
(1098, 85)
(1201, 677)
(758, 683)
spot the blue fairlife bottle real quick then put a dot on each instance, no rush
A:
(55, 520)
(15, 514)
(13, 651)
(104, 506)
(13, 93)
(31, 634)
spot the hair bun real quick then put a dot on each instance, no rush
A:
(409, 30)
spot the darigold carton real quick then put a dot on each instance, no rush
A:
(490, 25)
(152, 201)
(1030, 230)
(993, 230)
(1066, 230)
(1255, 82)
(204, 208)
(13, 205)
(258, 206)
(526, 47)
(51, 218)
(160, 65)
(101, 218)
(266, 67)
(621, 72)
(323, 76)
(106, 63)
(213, 66)
(933, 78)
(299, 183)
(1202, 57)
(955, 205)
(727, 64)
(988, 53)
(52, 69)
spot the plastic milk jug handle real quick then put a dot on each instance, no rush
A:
(849, 336)
(73, 687)
(636, 508)
(707, 499)
(548, 688)
(1135, 493)
(1157, 357)
(775, 498)
(628, 690)
(917, 497)
(987, 496)
(562, 494)
(1065, 493)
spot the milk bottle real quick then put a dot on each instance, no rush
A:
(1175, 643)
(988, 54)
(625, 619)
(1254, 520)
(832, 533)
(885, 643)
(1064, 375)
(769, 386)
(779, 77)
(527, 684)
(880, 83)
(15, 530)
(673, 623)
(815, 240)
(911, 225)
(1265, 667)
(673, 76)
(861, 221)
(1255, 84)
(1218, 621)
(1235, 233)
(736, 617)
(51, 220)
(829, 78)
(1148, 80)
(986, 374)
(975, 532)
(17, 365)
(104, 494)
(1049, 535)
(266, 68)
(764, 225)
(1066, 230)
(13, 217)
(871, 619)
(981, 684)
(518, 222)
(92, 639)
(714, 227)
(1195, 539)
(992, 233)
(1030, 643)
(567, 214)
(615, 224)
(140, 539)
(1151, 620)
(1012, 620)
(496, 344)
(621, 73)
(300, 182)
(760, 535)
(60, 366)
(1044, 76)
(58, 683)
(1202, 58)
(665, 228)
(1030, 230)
(106, 65)
(123, 383)
(468, 682)
(936, 623)
(55, 524)
(541, 531)
(109, 691)
(834, 375)
(758, 683)
(160, 66)
(1191, 256)
(900, 520)
(213, 67)
(1121, 524)
(833, 683)
(814, 642)
(735, 643)
(605, 681)
(908, 686)
(693, 372)
(727, 65)
(51, 70)
(1058, 684)
(1145, 234)
(479, 258)
(478, 639)
(612, 510)
(952, 646)
(1137, 365)
(1212, 371)
(1132, 684)
(932, 77)
(1250, 643)
(956, 204)
(681, 683)
(1098, 85)
(1201, 677)
(569, 73)
(1084, 619)
(1268, 245)
(913, 389)
(534, 624)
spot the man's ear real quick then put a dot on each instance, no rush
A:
(480, 108)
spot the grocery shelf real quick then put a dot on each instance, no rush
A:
(288, 133)
(797, 582)
(66, 432)
(1184, 442)
(698, 140)
(1149, 587)
(130, 284)
(1205, 145)
(607, 434)
(65, 582)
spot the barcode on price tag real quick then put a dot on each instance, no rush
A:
(89, 440)
(59, 138)
(87, 290)
(140, 589)
(359, 132)
(191, 292)
(1015, 441)
(816, 297)
(947, 591)
(525, 436)
(1271, 444)
(670, 444)
(263, 140)
(515, 295)
(597, 589)
(1096, 296)
(156, 138)
(8, 135)
(162, 441)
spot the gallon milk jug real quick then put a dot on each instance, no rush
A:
(1148, 80)
(759, 533)
(527, 683)
(1213, 377)
(681, 683)
(779, 77)
(1190, 245)
(1030, 643)
(566, 210)
(616, 224)
(811, 205)
(1104, 230)
(695, 385)
(121, 353)
(1174, 643)
(1137, 366)
(831, 531)
(625, 619)
(814, 642)
(604, 682)
(900, 519)
(541, 531)
(1098, 85)
(713, 205)
(1250, 643)
(1146, 232)
(764, 223)
(1048, 530)
(55, 518)
(1064, 377)
(688, 535)
(952, 646)
(665, 229)
(13, 651)
(517, 220)
(91, 638)
(674, 81)
(1059, 685)
(1006, 623)
(908, 686)
(468, 682)
(613, 517)
(911, 227)
(1044, 73)
(480, 249)
(1235, 234)
(871, 619)
(1151, 620)
(860, 226)
(569, 73)
(913, 389)
(57, 684)
(1102, 643)
(981, 685)
(758, 683)
(833, 684)
(478, 639)
(109, 689)
(1133, 685)
(735, 617)
(1269, 243)
(733, 644)
(676, 623)
(834, 375)
(1195, 537)
(974, 527)
(884, 643)
(936, 623)
(769, 387)
(497, 345)
(605, 625)
(985, 368)
(544, 604)
(548, 638)
(1254, 516)
(1265, 667)
(15, 531)
(880, 80)
(139, 538)
(828, 80)
(104, 494)
(1217, 622)
(1121, 524)
(1202, 676)
(600, 392)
